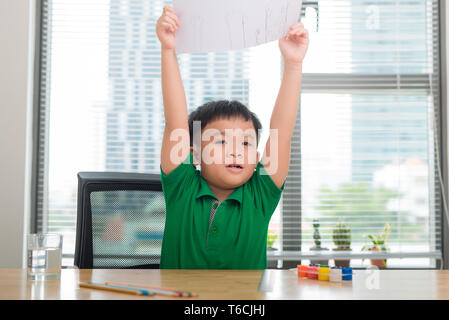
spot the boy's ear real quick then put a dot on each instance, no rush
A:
(258, 157)
(194, 152)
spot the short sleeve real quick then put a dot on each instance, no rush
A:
(178, 180)
(266, 193)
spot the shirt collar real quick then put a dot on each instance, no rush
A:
(206, 191)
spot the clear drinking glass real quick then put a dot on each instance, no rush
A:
(44, 256)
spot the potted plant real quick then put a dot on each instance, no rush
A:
(341, 235)
(379, 244)
(271, 238)
(317, 241)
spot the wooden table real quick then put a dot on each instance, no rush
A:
(231, 285)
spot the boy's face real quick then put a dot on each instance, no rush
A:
(228, 152)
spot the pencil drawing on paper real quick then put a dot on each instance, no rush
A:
(243, 32)
(267, 18)
(217, 25)
(286, 26)
(257, 36)
(228, 27)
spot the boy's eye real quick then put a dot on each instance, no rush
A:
(246, 143)
(221, 142)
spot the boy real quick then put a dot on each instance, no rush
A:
(217, 218)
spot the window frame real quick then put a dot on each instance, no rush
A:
(40, 146)
(444, 141)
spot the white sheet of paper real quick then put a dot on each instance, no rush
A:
(222, 25)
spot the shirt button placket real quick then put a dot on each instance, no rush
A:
(212, 229)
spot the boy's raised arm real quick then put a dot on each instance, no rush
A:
(284, 112)
(176, 132)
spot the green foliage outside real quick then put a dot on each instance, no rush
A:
(364, 208)
(271, 238)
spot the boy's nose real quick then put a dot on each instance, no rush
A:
(234, 151)
(236, 154)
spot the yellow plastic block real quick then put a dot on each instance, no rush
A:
(323, 273)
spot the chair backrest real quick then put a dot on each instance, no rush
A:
(120, 220)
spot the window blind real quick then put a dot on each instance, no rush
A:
(365, 149)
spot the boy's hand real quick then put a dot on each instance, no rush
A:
(166, 27)
(295, 47)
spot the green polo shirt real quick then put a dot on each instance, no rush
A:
(236, 237)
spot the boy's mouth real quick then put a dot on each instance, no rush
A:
(234, 167)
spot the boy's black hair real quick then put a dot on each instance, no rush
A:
(222, 109)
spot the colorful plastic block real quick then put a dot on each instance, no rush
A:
(347, 274)
(335, 274)
(302, 271)
(323, 273)
(312, 272)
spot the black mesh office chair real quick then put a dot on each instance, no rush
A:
(120, 220)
